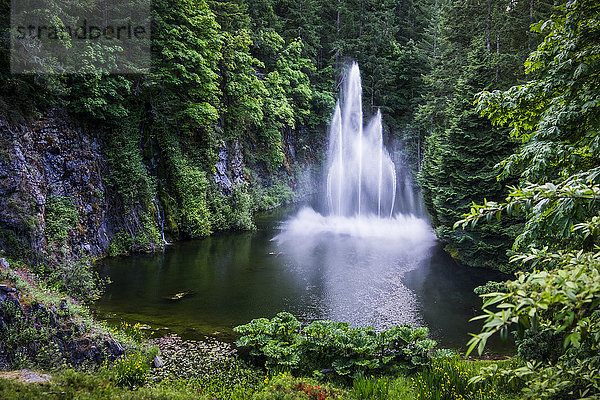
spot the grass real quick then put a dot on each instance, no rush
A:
(70, 384)
(444, 380)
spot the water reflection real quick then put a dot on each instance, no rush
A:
(353, 267)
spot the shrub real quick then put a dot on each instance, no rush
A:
(133, 331)
(274, 196)
(49, 357)
(120, 244)
(277, 339)
(324, 345)
(242, 207)
(75, 278)
(490, 287)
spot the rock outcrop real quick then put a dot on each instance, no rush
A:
(229, 170)
(51, 157)
(46, 330)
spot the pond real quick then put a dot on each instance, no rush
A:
(206, 287)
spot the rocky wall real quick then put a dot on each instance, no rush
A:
(51, 157)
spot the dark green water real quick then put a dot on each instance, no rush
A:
(235, 277)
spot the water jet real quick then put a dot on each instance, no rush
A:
(361, 177)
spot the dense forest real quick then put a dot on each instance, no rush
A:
(494, 103)
(230, 119)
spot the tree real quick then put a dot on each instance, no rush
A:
(462, 147)
(558, 297)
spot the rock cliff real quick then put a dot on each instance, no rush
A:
(42, 163)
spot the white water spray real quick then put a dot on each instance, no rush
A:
(361, 186)
(361, 178)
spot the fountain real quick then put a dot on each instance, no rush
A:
(361, 178)
(361, 183)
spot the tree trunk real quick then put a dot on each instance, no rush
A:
(488, 26)
(531, 11)
(338, 16)
(497, 54)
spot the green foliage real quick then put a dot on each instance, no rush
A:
(463, 148)
(61, 217)
(370, 388)
(33, 327)
(334, 345)
(555, 114)
(562, 302)
(558, 297)
(128, 176)
(242, 207)
(121, 244)
(276, 339)
(70, 384)
(99, 95)
(131, 369)
(539, 344)
(555, 212)
(449, 378)
(186, 47)
(50, 358)
(233, 212)
(73, 277)
(188, 186)
(129, 179)
(490, 287)
(273, 196)
(133, 331)
(23, 330)
(192, 188)
(243, 92)
(282, 386)
(76, 278)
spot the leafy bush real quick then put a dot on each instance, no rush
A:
(49, 357)
(539, 345)
(274, 196)
(242, 206)
(490, 287)
(133, 331)
(120, 244)
(129, 178)
(558, 295)
(561, 303)
(39, 326)
(277, 339)
(75, 278)
(333, 345)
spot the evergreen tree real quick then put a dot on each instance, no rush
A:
(462, 147)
